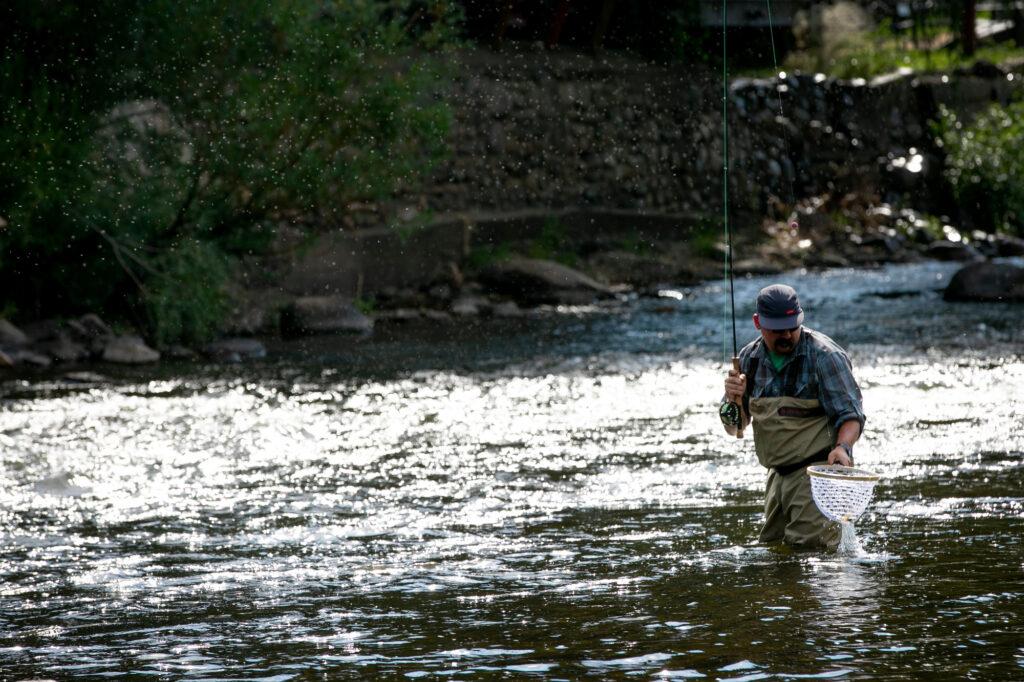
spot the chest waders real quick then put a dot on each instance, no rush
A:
(790, 434)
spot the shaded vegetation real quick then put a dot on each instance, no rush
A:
(985, 164)
(144, 146)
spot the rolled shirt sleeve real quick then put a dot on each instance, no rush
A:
(838, 391)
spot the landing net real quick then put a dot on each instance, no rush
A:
(841, 493)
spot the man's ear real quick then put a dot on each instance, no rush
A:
(757, 322)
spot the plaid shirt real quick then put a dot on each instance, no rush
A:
(817, 368)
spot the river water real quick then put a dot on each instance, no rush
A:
(549, 498)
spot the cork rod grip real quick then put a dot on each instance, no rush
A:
(739, 428)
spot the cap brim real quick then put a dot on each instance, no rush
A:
(776, 323)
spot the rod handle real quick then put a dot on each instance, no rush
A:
(739, 428)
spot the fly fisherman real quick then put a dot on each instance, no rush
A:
(806, 409)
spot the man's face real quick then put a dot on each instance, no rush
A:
(780, 341)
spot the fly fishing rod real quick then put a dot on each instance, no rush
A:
(732, 412)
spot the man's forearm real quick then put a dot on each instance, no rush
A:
(849, 432)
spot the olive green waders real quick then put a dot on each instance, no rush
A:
(789, 434)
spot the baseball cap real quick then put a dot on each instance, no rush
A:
(779, 308)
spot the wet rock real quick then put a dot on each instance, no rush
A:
(437, 315)
(1008, 246)
(129, 350)
(632, 268)
(986, 282)
(826, 259)
(889, 246)
(179, 353)
(91, 332)
(63, 349)
(536, 281)
(506, 309)
(952, 251)
(83, 378)
(398, 315)
(324, 315)
(24, 356)
(11, 335)
(89, 327)
(235, 350)
(468, 306)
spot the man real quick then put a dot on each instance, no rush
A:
(797, 386)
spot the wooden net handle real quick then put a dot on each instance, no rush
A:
(739, 427)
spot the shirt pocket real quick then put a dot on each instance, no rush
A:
(806, 388)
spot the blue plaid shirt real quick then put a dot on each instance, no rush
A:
(817, 368)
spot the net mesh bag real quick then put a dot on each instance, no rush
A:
(841, 493)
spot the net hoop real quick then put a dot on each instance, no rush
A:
(841, 493)
(841, 473)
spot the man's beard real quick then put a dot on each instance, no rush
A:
(782, 346)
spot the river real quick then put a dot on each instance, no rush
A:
(549, 498)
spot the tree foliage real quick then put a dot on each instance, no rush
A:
(144, 144)
(984, 164)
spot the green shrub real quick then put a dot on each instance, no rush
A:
(184, 295)
(985, 165)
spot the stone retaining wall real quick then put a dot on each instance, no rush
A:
(537, 133)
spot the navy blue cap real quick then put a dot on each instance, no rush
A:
(779, 308)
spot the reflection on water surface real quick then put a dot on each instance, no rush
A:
(473, 507)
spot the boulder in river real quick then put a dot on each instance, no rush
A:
(91, 332)
(986, 282)
(89, 327)
(633, 268)
(324, 315)
(946, 250)
(535, 281)
(1008, 246)
(63, 349)
(129, 350)
(24, 356)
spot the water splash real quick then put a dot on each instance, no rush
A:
(849, 545)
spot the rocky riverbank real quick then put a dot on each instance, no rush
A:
(554, 269)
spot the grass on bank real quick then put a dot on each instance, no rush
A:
(870, 61)
(881, 51)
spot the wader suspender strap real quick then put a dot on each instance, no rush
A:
(751, 374)
(789, 389)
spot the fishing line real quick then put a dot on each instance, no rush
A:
(725, 177)
(785, 138)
